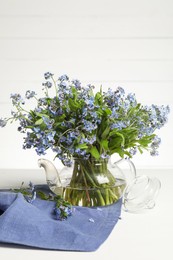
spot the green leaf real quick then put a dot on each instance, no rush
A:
(115, 142)
(113, 132)
(122, 136)
(105, 132)
(134, 110)
(42, 195)
(39, 121)
(100, 112)
(73, 104)
(32, 113)
(104, 144)
(82, 146)
(98, 98)
(60, 118)
(119, 151)
(118, 139)
(140, 150)
(41, 114)
(94, 152)
(108, 111)
(146, 140)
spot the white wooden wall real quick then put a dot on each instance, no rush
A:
(109, 42)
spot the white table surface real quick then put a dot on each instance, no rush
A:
(147, 236)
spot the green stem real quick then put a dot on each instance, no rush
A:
(86, 187)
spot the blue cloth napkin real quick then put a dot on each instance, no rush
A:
(35, 225)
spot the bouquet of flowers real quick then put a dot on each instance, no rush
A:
(77, 122)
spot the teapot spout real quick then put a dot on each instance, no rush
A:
(52, 176)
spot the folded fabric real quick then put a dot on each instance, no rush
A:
(35, 224)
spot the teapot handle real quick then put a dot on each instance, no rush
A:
(132, 169)
(131, 175)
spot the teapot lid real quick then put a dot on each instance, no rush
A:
(140, 194)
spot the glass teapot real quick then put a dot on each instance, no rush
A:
(101, 183)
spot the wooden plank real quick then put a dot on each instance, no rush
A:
(88, 49)
(72, 27)
(89, 7)
(89, 70)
